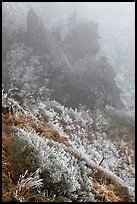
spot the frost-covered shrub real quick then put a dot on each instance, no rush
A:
(64, 170)
(74, 123)
(61, 165)
(61, 117)
(20, 156)
(27, 73)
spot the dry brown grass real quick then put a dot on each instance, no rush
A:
(16, 159)
(106, 192)
(56, 136)
(34, 197)
(15, 162)
(16, 156)
(6, 180)
(20, 120)
(26, 188)
(28, 123)
(110, 190)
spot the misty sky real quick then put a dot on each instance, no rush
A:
(88, 9)
(120, 14)
(114, 18)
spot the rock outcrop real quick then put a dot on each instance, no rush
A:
(76, 75)
(90, 80)
(39, 38)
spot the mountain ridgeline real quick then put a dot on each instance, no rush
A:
(68, 70)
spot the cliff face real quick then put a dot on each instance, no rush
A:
(75, 75)
(38, 37)
(93, 86)
(57, 153)
(81, 41)
(69, 68)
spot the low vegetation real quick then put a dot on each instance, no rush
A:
(28, 176)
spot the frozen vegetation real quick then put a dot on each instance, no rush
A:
(68, 102)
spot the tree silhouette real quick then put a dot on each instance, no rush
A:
(72, 18)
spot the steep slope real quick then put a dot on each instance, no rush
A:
(40, 39)
(68, 169)
(72, 75)
(65, 135)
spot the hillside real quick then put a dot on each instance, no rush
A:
(75, 162)
(67, 70)
(68, 125)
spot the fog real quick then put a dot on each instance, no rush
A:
(116, 19)
(68, 101)
(116, 23)
(117, 30)
(98, 11)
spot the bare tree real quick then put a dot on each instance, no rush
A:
(72, 18)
